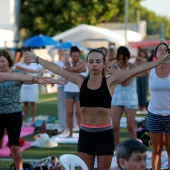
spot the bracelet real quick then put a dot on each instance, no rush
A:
(37, 60)
(32, 79)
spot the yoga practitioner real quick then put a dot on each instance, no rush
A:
(96, 133)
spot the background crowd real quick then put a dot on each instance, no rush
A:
(107, 72)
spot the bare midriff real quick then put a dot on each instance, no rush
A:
(95, 117)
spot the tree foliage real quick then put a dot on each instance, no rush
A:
(50, 17)
(154, 22)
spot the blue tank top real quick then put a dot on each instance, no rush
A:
(95, 98)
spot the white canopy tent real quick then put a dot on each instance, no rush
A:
(132, 36)
(84, 32)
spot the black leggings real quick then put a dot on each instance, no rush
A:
(12, 122)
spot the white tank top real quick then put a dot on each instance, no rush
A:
(159, 94)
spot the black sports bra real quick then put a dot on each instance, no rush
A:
(95, 98)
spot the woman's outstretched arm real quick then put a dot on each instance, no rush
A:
(122, 75)
(61, 81)
(72, 77)
(27, 70)
(15, 77)
(23, 78)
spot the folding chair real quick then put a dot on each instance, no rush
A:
(70, 162)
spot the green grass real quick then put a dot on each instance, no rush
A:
(48, 108)
(45, 96)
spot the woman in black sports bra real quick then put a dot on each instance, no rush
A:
(96, 132)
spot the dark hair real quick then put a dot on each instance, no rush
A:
(127, 147)
(143, 51)
(6, 54)
(123, 51)
(18, 50)
(159, 45)
(105, 49)
(98, 50)
(74, 49)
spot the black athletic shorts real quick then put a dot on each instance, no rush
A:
(12, 122)
(96, 143)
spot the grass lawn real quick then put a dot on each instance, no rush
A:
(47, 108)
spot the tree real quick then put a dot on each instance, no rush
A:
(154, 21)
(50, 17)
(53, 16)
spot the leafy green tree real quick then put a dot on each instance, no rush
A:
(50, 17)
(53, 16)
(154, 21)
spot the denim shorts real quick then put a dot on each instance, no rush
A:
(72, 95)
(158, 123)
(133, 107)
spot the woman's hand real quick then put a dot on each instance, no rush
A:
(32, 58)
(61, 81)
(166, 59)
(41, 80)
(109, 70)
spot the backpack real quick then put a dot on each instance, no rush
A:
(48, 163)
(143, 135)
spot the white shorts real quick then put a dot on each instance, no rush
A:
(29, 94)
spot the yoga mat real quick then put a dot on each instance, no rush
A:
(39, 120)
(61, 138)
(24, 132)
(123, 121)
(55, 126)
(4, 151)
